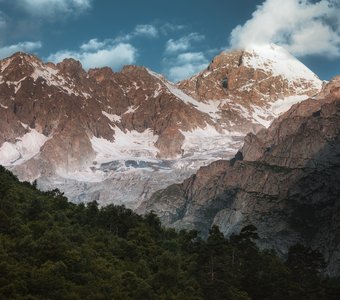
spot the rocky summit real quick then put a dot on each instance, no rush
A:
(117, 137)
(285, 180)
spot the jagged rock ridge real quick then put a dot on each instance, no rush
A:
(285, 181)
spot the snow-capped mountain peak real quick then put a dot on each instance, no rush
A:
(258, 83)
(278, 61)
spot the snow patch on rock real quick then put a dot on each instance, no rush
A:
(52, 78)
(131, 109)
(111, 117)
(278, 61)
(24, 149)
(210, 107)
(127, 145)
(282, 105)
(209, 144)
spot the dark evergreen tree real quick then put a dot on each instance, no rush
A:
(53, 249)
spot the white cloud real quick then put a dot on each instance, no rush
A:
(169, 27)
(141, 30)
(96, 54)
(54, 8)
(181, 63)
(182, 44)
(112, 53)
(185, 65)
(92, 44)
(23, 46)
(146, 30)
(301, 26)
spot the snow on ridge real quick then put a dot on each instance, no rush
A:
(25, 148)
(111, 117)
(5, 63)
(52, 78)
(48, 73)
(131, 109)
(129, 145)
(280, 106)
(280, 62)
(265, 115)
(262, 116)
(17, 84)
(86, 95)
(257, 114)
(157, 91)
(156, 75)
(210, 107)
(271, 57)
(17, 88)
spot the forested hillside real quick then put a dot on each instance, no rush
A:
(53, 249)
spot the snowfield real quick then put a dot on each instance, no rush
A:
(25, 148)
(279, 62)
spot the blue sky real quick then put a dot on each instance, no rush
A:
(172, 37)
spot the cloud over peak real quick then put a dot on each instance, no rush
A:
(23, 46)
(97, 54)
(303, 27)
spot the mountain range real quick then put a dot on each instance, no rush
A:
(252, 139)
(87, 131)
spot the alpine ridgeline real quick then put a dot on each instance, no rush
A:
(119, 137)
(285, 181)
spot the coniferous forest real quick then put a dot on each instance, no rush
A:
(53, 249)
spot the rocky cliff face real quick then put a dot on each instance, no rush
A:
(285, 181)
(87, 131)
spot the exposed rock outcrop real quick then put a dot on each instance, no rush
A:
(286, 183)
